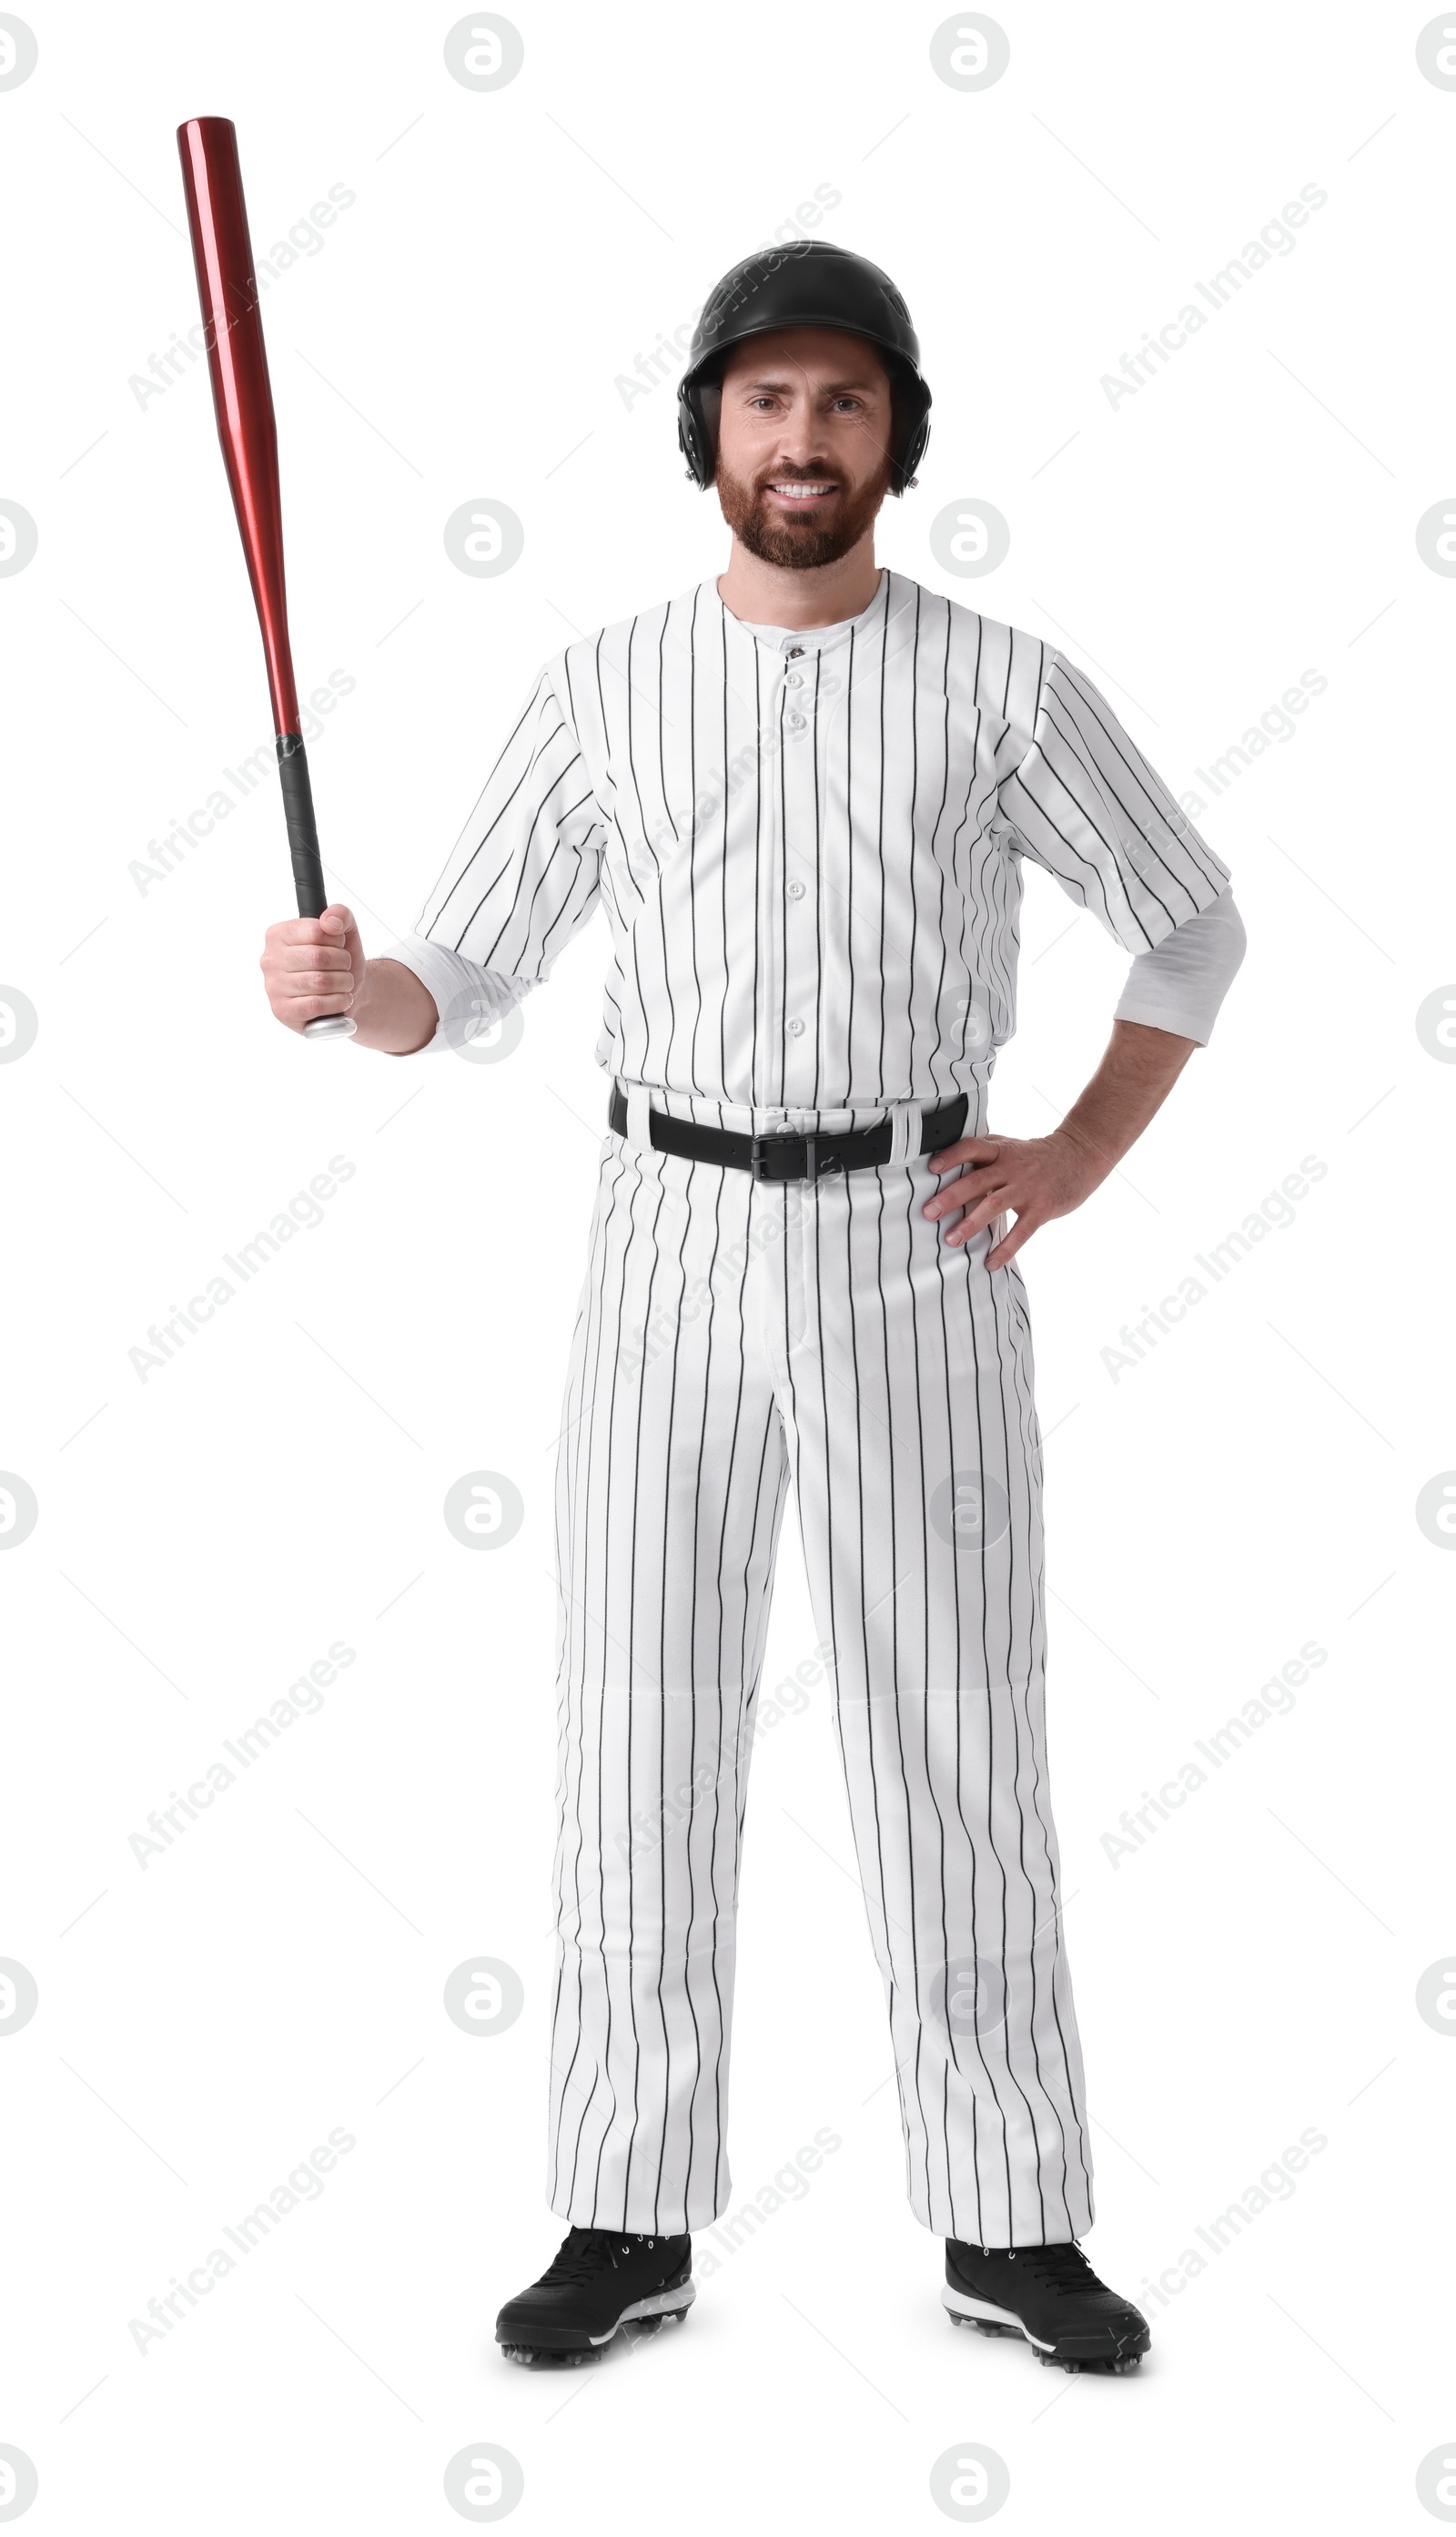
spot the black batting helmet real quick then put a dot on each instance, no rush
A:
(808, 283)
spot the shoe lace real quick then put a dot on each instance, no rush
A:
(584, 2253)
(1063, 2267)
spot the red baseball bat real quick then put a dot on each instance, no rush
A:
(242, 399)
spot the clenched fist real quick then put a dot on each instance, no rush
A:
(313, 964)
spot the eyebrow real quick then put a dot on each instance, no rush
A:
(835, 387)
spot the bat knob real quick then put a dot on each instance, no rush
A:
(331, 1026)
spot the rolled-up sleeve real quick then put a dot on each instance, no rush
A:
(1181, 985)
(524, 877)
(1083, 802)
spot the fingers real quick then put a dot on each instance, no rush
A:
(977, 1217)
(982, 1156)
(332, 927)
(307, 955)
(307, 959)
(975, 1198)
(1021, 1231)
(317, 980)
(308, 966)
(968, 1189)
(994, 1176)
(296, 1011)
(978, 1149)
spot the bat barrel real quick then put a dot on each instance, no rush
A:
(228, 288)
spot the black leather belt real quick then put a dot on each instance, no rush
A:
(782, 1156)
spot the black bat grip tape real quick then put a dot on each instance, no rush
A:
(304, 835)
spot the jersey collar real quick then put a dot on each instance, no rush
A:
(810, 639)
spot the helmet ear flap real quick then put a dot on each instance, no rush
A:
(698, 401)
(689, 435)
(912, 412)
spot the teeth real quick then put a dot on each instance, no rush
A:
(801, 493)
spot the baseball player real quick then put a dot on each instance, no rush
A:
(803, 792)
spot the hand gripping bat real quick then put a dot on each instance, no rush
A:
(223, 251)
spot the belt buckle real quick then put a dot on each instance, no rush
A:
(817, 1164)
(760, 1149)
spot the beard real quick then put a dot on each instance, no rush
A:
(799, 545)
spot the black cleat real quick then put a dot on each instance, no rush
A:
(1050, 2296)
(600, 2280)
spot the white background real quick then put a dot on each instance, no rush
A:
(205, 1535)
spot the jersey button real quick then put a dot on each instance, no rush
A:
(796, 890)
(795, 1028)
(793, 680)
(795, 651)
(796, 721)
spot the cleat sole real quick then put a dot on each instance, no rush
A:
(964, 2310)
(646, 2317)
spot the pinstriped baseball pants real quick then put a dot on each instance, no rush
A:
(734, 1339)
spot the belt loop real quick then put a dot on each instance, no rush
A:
(905, 1130)
(639, 1113)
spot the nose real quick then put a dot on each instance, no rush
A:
(799, 435)
(800, 442)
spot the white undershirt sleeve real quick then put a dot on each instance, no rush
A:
(1180, 984)
(467, 998)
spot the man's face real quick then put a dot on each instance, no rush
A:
(804, 444)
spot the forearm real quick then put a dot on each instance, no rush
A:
(1138, 1071)
(393, 1010)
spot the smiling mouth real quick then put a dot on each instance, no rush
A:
(810, 492)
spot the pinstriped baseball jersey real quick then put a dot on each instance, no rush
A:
(810, 852)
